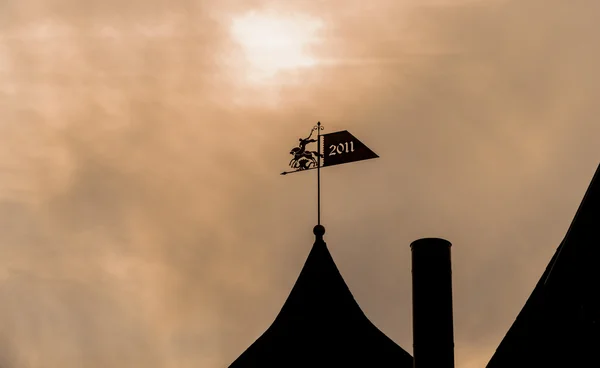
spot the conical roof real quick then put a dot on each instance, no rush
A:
(560, 323)
(321, 325)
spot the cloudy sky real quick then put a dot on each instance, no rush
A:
(143, 220)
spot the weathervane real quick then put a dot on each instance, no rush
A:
(342, 147)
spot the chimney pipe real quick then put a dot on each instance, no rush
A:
(433, 334)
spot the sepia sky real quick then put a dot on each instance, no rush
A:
(143, 220)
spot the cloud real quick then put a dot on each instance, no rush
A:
(143, 218)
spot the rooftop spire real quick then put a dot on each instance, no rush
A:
(321, 325)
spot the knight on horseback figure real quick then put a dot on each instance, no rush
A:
(304, 159)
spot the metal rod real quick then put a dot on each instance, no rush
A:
(296, 171)
(319, 173)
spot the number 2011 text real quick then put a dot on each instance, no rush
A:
(341, 148)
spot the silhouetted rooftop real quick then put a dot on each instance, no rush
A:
(559, 326)
(321, 325)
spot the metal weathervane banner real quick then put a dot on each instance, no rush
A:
(340, 148)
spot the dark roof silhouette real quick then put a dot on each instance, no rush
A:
(559, 326)
(321, 325)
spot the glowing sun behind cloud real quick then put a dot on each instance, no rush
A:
(273, 43)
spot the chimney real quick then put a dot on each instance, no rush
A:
(433, 335)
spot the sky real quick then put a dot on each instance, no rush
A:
(143, 220)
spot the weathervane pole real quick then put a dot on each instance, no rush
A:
(319, 173)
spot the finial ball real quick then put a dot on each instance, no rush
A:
(319, 230)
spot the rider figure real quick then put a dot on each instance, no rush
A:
(304, 142)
